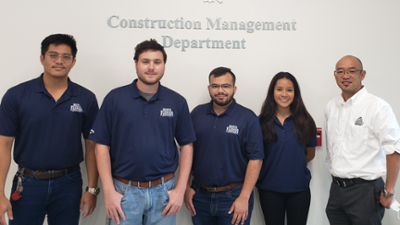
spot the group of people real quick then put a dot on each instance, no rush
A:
(225, 149)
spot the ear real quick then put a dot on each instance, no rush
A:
(363, 73)
(73, 63)
(234, 90)
(41, 59)
(136, 65)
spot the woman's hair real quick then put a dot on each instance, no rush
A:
(304, 123)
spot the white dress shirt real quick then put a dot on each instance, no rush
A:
(360, 133)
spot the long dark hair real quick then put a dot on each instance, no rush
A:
(304, 123)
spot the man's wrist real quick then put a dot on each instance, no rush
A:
(94, 191)
(387, 194)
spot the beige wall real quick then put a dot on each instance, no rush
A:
(325, 31)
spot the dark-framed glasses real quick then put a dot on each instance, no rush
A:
(223, 86)
(349, 72)
(67, 58)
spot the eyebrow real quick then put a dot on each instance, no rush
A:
(60, 53)
(341, 68)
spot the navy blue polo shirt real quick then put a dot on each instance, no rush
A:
(285, 165)
(141, 134)
(225, 144)
(48, 134)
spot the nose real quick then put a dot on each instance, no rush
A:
(59, 59)
(151, 65)
(346, 75)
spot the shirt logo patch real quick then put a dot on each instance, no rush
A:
(359, 121)
(91, 131)
(76, 107)
(232, 129)
(166, 112)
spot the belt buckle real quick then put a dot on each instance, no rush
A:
(344, 183)
(36, 174)
(337, 181)
(138, 184)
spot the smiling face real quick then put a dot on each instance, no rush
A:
(284, 93)
(223, 94)
(150, 67)
(57, 68)
(349, 83)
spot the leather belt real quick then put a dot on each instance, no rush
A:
(146, 184)
(46, 174)
(219, 189)
(346, 182)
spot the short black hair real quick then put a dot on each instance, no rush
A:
(58, 39)
(220, 71)
(146, 45)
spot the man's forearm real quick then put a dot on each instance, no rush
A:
(90, 162)
(185, 165)
(5, 159)
(252, 172)
(104, 166)
(392, 166)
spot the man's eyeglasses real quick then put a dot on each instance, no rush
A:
(349, 72)
(66, 58)
(223, 86)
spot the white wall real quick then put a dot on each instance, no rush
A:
(325, 31)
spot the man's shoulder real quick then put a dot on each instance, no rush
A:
(371, 99)
(21, 88)
(201, 107)
(82, 90)
(244, 110)
(169, 93)
(118, 91)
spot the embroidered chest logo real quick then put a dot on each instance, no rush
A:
(359, 121)
(232, 129)
(76, 107)
(166, 112)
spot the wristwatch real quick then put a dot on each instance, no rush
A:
(387, 194)
(94, 191)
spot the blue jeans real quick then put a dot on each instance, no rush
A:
(144, 205)
(59, 198)
(212, 208)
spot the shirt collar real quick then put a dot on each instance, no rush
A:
(72, 90)
(356, 97)
(135, 93)
(290, 117)
(228, 112)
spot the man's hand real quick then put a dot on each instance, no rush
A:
(189, 200)
(113, 206)
(240, 210)
(174, 203)
(385, 202)
(88, 200)
(5, 207)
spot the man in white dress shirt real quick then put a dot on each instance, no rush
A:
(363, 144)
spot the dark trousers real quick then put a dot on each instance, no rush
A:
(57, 198)
(275, 205)
(212, 208)
(356, 205)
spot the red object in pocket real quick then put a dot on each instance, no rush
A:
(16, 195)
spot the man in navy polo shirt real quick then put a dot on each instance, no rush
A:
(227, 156)
(46, 117)
(135, 131)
